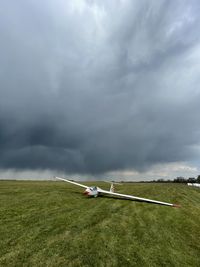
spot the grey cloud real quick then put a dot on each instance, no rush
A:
(100, 86)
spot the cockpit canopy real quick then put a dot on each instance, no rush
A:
(93, 188)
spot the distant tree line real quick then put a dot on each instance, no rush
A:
(189, 180)
(179, 179)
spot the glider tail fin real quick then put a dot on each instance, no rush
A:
(112, 188)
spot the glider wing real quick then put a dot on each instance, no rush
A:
(71, 182)
(136, 198)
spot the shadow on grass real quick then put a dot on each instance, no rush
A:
(117, 198)
(132, 200)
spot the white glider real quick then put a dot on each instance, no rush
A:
(95, 191)
(194, 184)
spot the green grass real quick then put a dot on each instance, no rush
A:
(52, 224)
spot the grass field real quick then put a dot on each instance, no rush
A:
(52, 224)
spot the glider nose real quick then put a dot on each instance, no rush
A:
(86, 192)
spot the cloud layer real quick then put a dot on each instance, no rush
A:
(98, 86)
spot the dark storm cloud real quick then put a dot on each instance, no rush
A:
(94, 86)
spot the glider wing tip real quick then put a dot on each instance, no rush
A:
(176, 206)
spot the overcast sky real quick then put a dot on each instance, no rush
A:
(100, 87)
